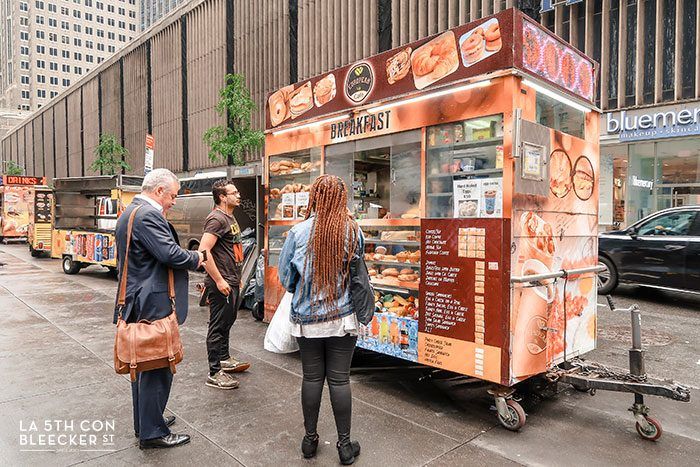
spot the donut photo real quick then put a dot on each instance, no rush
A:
(551, 60)
(278, 106)
(585, 79)
(480, 42)
(434, 60)
(532, 55)
(568, 71)
(324, 90)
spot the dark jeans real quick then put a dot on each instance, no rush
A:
(327, 358)
(222, 315)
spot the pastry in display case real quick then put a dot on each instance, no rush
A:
(393, 257)
(290, 179)
(467, 150)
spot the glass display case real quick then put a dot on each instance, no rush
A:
(456, 153)
(290, 178)
(384, 173)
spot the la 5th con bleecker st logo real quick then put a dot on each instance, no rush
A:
(66, 435)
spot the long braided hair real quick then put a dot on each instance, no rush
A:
(334, 239)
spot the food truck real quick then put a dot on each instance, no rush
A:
(472, 161)
(16, 201)
(40, 215)
(85, 213)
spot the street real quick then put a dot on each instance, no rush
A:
(56, 361)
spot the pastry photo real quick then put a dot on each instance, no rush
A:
(434, 60)
(300, 100)
(398, 66)
(559, 173)
(278, 105)
(583, 178)
(324, 90)
(480, 42)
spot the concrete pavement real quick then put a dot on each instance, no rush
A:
(56, 346)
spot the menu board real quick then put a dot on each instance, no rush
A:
(42, 206)
(460, 326)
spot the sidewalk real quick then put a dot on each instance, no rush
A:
(56, 361)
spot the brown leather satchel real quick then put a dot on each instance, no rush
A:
(145, 345)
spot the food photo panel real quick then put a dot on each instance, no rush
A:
(481, 42)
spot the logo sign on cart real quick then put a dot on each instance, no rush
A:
(148, 160)
(359, 82)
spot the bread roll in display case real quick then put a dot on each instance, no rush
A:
(472, 160)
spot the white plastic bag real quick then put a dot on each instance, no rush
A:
(278, 338)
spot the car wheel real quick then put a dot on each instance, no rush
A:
(607, 279)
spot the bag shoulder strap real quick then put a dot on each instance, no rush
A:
(121, 299)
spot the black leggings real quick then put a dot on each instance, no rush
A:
(327, 358)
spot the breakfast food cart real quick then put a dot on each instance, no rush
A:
(16, 199)
(85, 212)
(473, 163)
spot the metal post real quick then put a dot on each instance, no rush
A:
(636, 354)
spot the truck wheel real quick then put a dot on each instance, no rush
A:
(33, 252)
(70, 266)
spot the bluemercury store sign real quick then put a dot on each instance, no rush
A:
(654, 123)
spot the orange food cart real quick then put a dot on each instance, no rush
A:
(473, 162)
(16, 201)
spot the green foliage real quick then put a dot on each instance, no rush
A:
(110, 156)
(237, 137)
(11, 168)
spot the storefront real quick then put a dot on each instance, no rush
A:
(650, 160)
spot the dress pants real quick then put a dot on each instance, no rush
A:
(222, 315)
(150, 394)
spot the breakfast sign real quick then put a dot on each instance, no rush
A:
(455, 55)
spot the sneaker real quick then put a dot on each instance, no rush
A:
(234, 366)
(221, 380)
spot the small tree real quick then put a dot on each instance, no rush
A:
(237, 136)
(11, 168)
(110, 156)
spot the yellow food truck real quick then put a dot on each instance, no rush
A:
(16, 201)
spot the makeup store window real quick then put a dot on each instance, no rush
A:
(383, 174)
(677, 173)
(464, 168)
(640, 182)
(559, 116)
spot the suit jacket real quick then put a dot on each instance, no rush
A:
(154, 248)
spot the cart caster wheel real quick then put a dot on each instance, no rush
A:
(258, 311)
(653, 432)
(517, 416)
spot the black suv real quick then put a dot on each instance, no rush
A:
(662, 250)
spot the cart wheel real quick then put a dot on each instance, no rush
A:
(33, 252)
(113, 271)
(70, 266)
(258, 311)
(517, 416)
(652, 433)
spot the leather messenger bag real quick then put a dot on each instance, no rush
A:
(145, 345)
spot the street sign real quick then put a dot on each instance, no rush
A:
(548, 5)
(148, 159)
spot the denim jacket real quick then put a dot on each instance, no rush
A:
(291, 267)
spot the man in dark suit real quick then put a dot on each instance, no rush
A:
(154, 248)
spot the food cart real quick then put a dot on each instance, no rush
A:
(85, 213)
(473, 163)
(16, 201)
(39, 230)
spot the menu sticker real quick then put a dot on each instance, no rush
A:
(301, 204)
(532, 162)
(491, 203)
(467, 196)
(288, 206)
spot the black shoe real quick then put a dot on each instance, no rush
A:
(169, 420)
(348, 451)
(169, 441)
(309, 445)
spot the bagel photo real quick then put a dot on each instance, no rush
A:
(480, 42)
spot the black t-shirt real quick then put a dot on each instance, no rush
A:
(227, 252)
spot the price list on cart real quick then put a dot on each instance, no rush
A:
(445, 309)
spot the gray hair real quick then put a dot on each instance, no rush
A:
(156, 178)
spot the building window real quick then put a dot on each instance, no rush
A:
(110, 36)
(78, 70)
(76, 14)
(100, 59)
(110, 21)
(40, 64)
(88, 16)
(53, 80)
(132, 27)
(65, 25)
(76, 27)
(65, 11)
(89, 58)
(66, 82)
(88, 30)
(23, 50)
(53, 94)
(53, 51)
(24, 65)
(111, 49)
(100, 47)
(53, 66)
(25, 94)
(24, 21)
(110, 8)
(100, 19)
(40, 49)
(52, 8)
(41, 79)
(53, 37)
(23, 6)
(77, 42)
(88, 2)
(100, 6)
(122, 24)
(132, 14)
(65, 54)
(23, 36)
(39, 19)
(77, 56)
(89, 44)
(65, 40)
(65, 68)
(122, 38)
(39, 5)
(24, 79)
(53, 23)
(40, 34)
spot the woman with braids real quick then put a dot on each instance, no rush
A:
(314, 266)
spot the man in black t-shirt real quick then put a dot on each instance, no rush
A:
(222, 241)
